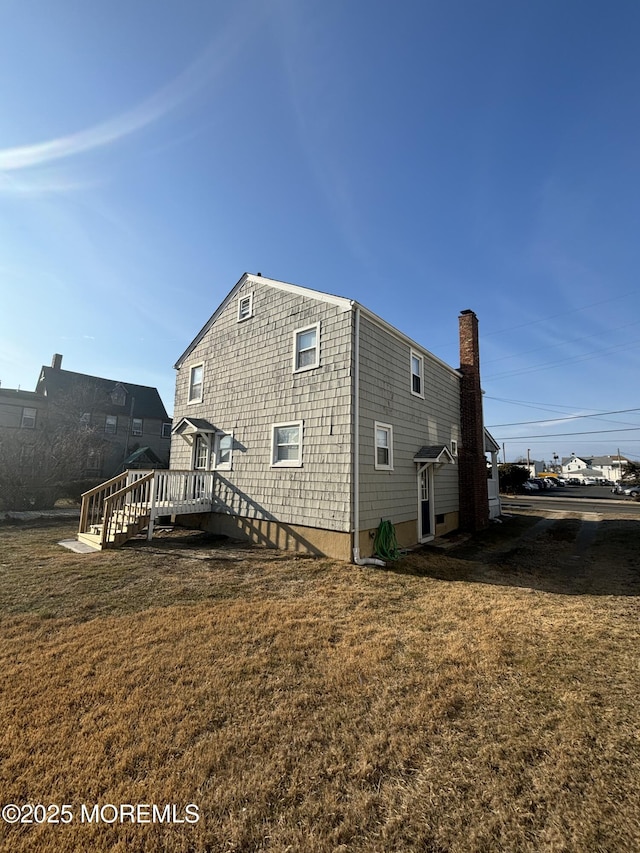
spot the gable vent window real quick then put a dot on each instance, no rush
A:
(307, 348)
(245, 307)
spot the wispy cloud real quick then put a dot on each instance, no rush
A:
(205, 69)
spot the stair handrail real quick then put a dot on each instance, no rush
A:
(93, 500)
(116, 496)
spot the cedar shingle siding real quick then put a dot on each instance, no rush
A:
(250, 384)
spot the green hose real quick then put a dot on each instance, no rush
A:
(385, 544)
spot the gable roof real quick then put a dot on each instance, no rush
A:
(342, 302)
(146, 400)
(434, 453)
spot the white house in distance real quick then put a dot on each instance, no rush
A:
(607, 467)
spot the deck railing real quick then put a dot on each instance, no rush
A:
(126, 507)
(92, 508)
(109, 508)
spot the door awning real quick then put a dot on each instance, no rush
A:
(191, 426)
(436, 453)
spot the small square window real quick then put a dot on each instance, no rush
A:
(384, 447)
(111, 424)
(196, 376)
(307, 348)
(136, 426)
(245, 307)
(417, 370)
(286, 445)
(28, 418)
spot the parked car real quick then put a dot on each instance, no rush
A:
(530, 486)
(630, 491)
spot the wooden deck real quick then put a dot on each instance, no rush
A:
(127, 504)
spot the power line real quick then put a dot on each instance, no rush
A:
(563, 434)
(568, 417)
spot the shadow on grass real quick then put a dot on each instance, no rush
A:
(566, 556)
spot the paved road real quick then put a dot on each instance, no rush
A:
(579, 499)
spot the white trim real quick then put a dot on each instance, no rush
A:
(286, 463)
(241, 299)
(389, 429)
(454, 447)
(420, 359)
(298, 332)
(191, 400)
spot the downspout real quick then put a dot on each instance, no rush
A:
(357, 559)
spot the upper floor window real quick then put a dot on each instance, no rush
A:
(28, 418)
(417, 371)
(119, 395)
(307, 348)
(196, 376)
(286, 445)
(166, 430)
(136, 426)
(384, 447)
(245, 307)
(454, 447)
(111, 424)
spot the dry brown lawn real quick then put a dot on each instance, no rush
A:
(482, 698)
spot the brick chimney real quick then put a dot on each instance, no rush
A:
(56, 361)
(472, 468)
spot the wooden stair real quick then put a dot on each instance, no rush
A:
(121, 531)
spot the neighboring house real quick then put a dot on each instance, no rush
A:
(606, 467)
(320, 420)
(75, 428)
(129, 419)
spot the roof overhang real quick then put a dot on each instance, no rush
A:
(435, 454)
(191, 426)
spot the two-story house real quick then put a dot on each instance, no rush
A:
(129, 419)
(320, 419)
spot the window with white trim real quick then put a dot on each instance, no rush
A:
(417, 373)
(28, 418)
(454, 447)
(245, 307)
(223, 450)
(384, 447)
(306, 348)
(136, 426)
(286, 445)
(196, 377)
(111, 424)
(166, 430)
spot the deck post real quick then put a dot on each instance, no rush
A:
(152, 513)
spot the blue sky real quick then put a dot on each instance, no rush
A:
(419, 157)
